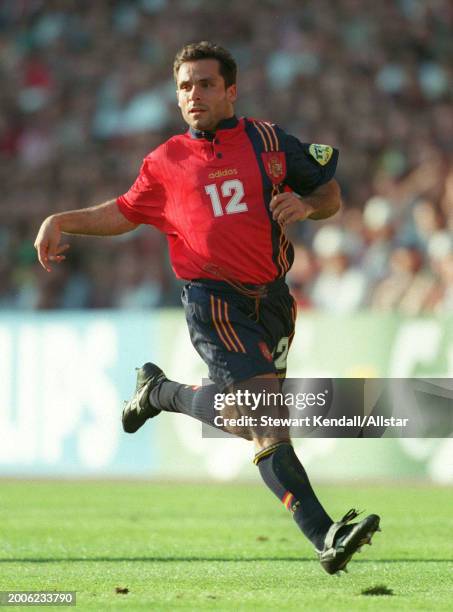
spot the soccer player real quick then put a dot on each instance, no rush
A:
(223, 194)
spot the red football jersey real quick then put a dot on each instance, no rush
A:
(210, 193)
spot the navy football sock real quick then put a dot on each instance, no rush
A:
(283, 473)
(197, 402)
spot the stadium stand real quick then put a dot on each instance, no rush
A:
(89, 92)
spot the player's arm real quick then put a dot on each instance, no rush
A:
(310, 170)
(102, 220)
(322, 203)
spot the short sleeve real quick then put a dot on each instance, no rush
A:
(145, 201)
(308, 165)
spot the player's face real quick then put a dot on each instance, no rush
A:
(202, 96)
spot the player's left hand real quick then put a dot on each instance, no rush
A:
(287, 208)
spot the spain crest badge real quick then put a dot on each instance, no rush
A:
(275, 166)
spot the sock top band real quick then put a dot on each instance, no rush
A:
(268, 451)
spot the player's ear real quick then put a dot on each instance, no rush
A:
(232, 93)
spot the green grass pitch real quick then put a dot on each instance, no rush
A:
(218, 547)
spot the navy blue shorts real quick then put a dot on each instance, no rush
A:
(237, 336)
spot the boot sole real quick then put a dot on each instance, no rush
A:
(361, 535)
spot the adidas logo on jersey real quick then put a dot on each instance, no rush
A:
(220, 173)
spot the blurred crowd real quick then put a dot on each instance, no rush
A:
(86, 92)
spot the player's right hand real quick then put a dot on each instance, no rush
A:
(47, 243)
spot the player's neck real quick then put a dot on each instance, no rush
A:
(224, 124)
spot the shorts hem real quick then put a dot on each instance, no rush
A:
(232, 379)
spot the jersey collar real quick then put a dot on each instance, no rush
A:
(225, 124)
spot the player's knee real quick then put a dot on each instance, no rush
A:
(233, 422)
(261, 442)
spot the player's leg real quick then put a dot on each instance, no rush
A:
(275, 457)
(156, 393)
(231, 345)
(286, 477)
(284, 474)
(276, 460)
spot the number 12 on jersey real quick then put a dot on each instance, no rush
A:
(232, 189)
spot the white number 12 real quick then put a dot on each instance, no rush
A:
(233, 188)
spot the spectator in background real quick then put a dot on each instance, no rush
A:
(427, 220)
(338, 287)
(440, 250)
(446, 200)
(379, 231)
(444, 303)
(301, 275)
(135, 285)
(407, 288)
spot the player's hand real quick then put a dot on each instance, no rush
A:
(287, 208)
(47, 243)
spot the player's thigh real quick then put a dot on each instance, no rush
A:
(278, 317)
(265, 410)
(232, 344)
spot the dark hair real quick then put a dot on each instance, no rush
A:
(207, 50)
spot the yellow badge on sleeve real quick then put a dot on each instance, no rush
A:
(322, 153)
